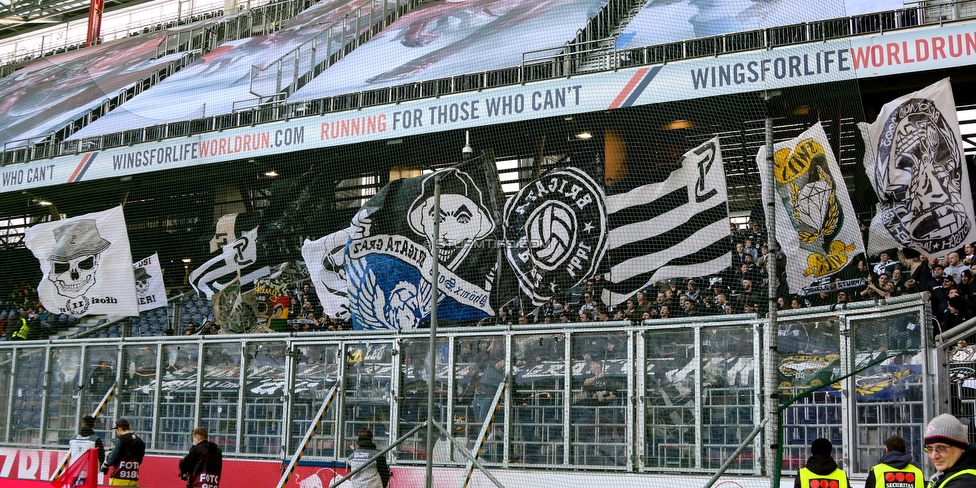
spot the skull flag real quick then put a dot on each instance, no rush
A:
(914, 159)
(149, 283)
(87, 265)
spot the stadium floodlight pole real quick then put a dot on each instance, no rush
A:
(432, 343)
(771, 332)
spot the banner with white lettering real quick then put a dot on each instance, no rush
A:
(239, 254)
(87, 265)
(556, 232)
(389, 263)
(326, 259)
(914, 159)
(150, 288)
(815, 219)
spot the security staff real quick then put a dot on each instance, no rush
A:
(954, 457)
(821, 467)
(895, 468)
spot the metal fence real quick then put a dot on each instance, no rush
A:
(656, 397)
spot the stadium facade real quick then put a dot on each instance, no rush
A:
(293, 131)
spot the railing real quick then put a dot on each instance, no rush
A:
(297, 67)
(551, 67)
(575, 400)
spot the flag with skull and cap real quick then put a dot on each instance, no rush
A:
(150, 289)
(87, 265)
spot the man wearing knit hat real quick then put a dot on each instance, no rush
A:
(948, 447)
(821, 469)
(896, 468)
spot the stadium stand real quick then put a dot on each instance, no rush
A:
(650, 339)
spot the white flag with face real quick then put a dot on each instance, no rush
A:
(326, 261)
(150, 288)
(815, 220)
(914, 159)
(87, 265)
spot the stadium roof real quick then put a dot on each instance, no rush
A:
(19, 16)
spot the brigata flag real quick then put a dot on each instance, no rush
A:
(914, 159)
(150, 289)
(815, 220)
(389, 263)
(675, 228)
(87, 265)
(326, 260)
(555, 230)
(83, 471)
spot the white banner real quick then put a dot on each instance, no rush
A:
(326, 261)
(235, 256)
(86, 263)
(914, 159)
(815, 220)
(150, 287)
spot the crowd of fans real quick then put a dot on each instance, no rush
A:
(743, 287)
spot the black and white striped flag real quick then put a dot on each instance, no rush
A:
(672, 229)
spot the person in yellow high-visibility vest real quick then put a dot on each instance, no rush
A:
(895, 468)
(949, 450)
(821, 470)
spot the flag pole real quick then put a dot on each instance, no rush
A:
(770, 335)
(432, 343)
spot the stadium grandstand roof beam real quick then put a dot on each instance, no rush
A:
(22, 16)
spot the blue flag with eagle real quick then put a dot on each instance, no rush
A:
(389, 265)
(815, 220)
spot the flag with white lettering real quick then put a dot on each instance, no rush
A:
(389, 263)
(675, 228)
(555, 232)
(326, 259)
(815, 219)
(87, 265)
(238, 254)
(150, 288)
(914, 159)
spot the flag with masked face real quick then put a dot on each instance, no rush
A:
(326, 259)
(389, 263)
(815, 219)
(914, 160)
(150, 287)
(87, 265)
